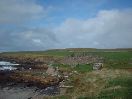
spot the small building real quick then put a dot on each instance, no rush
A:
(97, 66)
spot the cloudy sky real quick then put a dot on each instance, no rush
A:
(47, 24)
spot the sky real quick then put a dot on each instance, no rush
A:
(27, 25)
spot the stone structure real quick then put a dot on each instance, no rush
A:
(52, 71)
(97, 66)
(73, 61)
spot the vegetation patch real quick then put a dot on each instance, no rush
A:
(120, 88)
(83, 68)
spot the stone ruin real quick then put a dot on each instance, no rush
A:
(75, 60)
(97, 66)
(53, 71)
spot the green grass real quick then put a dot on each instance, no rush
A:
(83, 68)
(112, 55)
(41, 53)
(87, 97)
(118, 88)
(116, 60)
(58, 97)
(60, 65)
(100, 52)
(62, 97)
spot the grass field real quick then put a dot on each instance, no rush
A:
(114, 81)
(120, 88)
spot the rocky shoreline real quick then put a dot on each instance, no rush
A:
(31, 72)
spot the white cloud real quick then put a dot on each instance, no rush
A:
(19, 11)
(27, 39)
(109, 29)
(37, 41)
